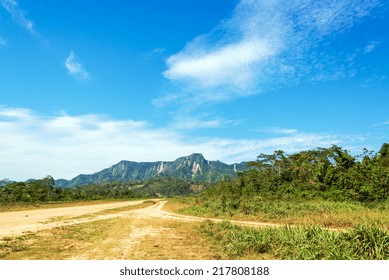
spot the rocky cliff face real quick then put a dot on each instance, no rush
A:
(194, 167)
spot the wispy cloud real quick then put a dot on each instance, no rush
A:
(75, 68)
(382, 123)
(19, 15)
(277, 130)
(263, 44)
(357, 53)
(62, 145)
(244, 149)
(156, 53)
(3, 42)
(370, 47)
(202, 121)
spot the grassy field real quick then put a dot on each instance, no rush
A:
(313, 229)
(323, 213)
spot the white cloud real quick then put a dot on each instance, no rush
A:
(18, 14)
(237, 150)
(64, 146)
(370, 47)
(263, 44)
(277, 130)
(228, 65)
(203, 121)
(17, 113)
(75, 68)
(3, 42)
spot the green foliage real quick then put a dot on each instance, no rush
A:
(44, 190)
(168, 187)
(330, 173)
(31, 191)
(157, 187)
(383, 155)
(364, 242)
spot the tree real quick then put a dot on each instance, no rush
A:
(4, 182)
(383, 155)
(342, 157)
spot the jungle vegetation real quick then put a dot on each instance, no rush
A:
(44, 190)
(329, 173)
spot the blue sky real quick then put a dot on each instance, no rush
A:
(84, 86)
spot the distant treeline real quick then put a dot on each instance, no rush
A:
(329, 173)
(44, 190)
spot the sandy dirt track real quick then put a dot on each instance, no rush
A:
(18, 222)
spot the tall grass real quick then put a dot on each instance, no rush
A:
(321, 212)
(364, 242)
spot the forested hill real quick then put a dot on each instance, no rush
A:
(194, 168)
(329, 173)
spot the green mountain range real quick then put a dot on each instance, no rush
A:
(192, 168)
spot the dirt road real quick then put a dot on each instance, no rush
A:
(19, 222)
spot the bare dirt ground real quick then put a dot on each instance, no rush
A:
(18, 222)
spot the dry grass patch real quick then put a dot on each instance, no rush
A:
(175, 205)
(176, 241)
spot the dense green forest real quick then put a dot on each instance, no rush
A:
(329, 173)
(44, 190)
